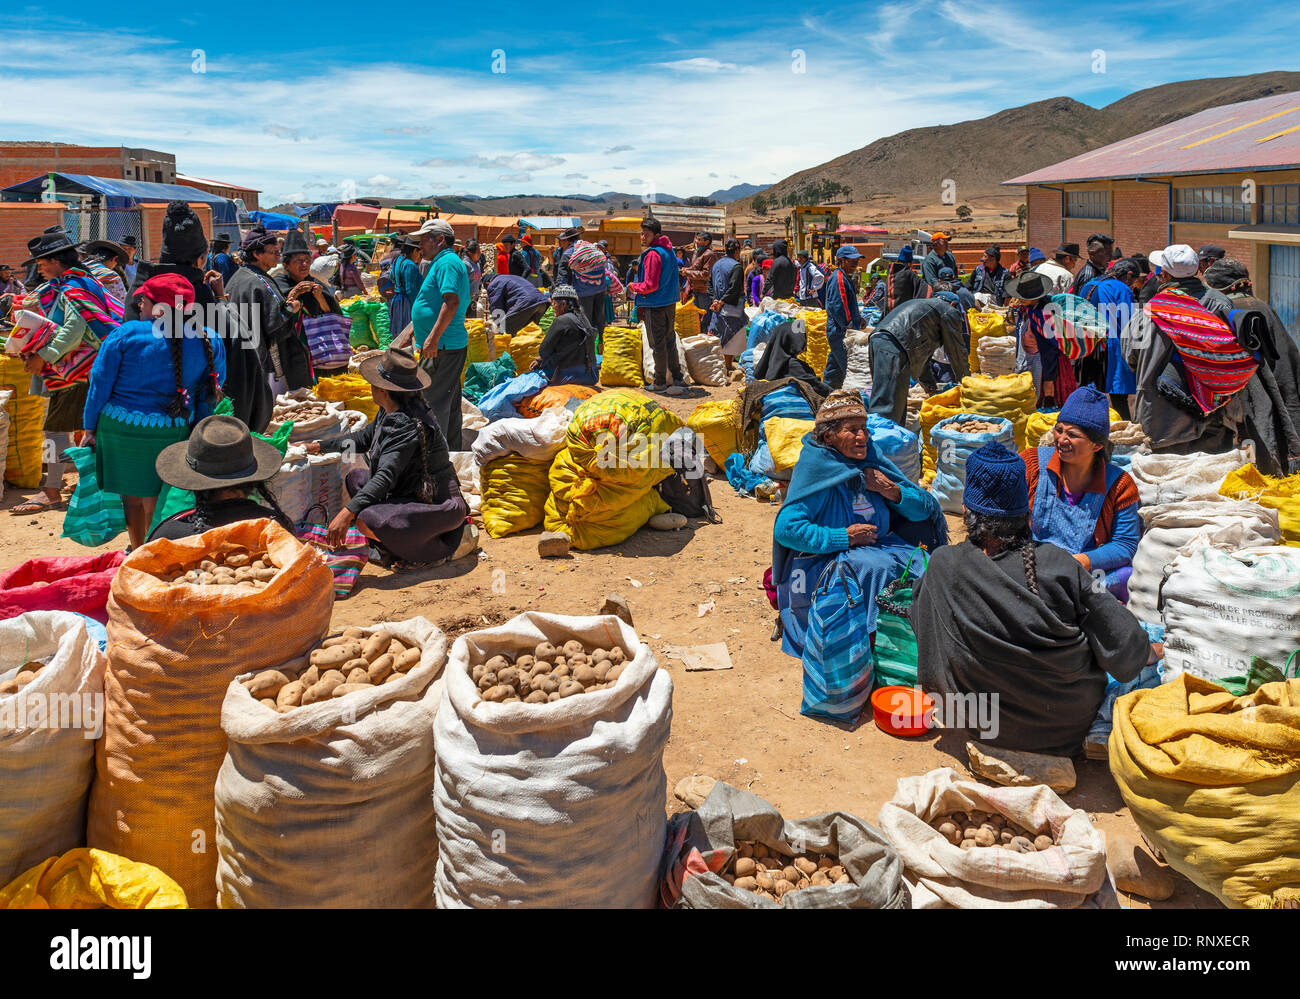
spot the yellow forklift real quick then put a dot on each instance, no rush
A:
(809, 224)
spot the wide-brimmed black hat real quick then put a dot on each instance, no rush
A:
(1067, 249)
(101, 246)
(509, 238)
(573, 232)
(395, 370)
(221, 239)
(1028, 286)
(219, 453)
(294, 242)
(130, 241)
(53, 240)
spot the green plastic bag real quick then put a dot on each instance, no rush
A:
(379, 324)
(895, 649)
(483, 375)
(361, 336)
(1261, 672)
(94, 517)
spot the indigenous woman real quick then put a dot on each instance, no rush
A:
(1080, 501)
(408, 501)
(258, 299)
(297, 285)
(1037, 348)
(846, 503)
(406, 277)
(1001, 615)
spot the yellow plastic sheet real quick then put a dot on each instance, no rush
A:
(1281, 494)
(92, 879)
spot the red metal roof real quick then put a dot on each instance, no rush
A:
(1263, 134)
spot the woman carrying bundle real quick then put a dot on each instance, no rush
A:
(1004, 615)
(408, 502)
(1080, 501)
(152, 379)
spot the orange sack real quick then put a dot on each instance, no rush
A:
(553, 396)
(173, 650)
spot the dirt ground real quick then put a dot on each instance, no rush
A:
(740, 725)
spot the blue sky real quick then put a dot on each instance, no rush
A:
(325, 100)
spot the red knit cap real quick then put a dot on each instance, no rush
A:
(167, 289)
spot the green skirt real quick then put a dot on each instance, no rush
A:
(125, 455)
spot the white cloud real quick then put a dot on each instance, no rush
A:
(702, 64)
(617, 149)
(382, 180)
(576, 176)
(515, 178)
(513, 161)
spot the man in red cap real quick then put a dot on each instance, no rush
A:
(937, 259)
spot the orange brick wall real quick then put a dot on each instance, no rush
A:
(20, 163)
(151, 219)
(1140, 216)
(19, 223)
(1043, 228)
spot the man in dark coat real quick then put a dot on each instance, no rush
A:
(781, 276)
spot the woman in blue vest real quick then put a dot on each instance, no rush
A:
(406, 284)
(1080, 501)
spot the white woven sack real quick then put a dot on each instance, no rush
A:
(470, 416)
(704, 361)
(1228, 524)
(648, 358)
(467, 475)
(1177, 478)
(539, 438)
(997, 355)
(6, 397)
(1222, 608)
(552, 805)
(943, 876)
(47, 737)
(857, 375)
(330, 805)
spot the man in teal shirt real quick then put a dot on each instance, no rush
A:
(438, 324)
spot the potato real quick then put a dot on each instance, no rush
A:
(570, 687)
(616, 655)
(290, 695)
(395, 647)
(844, 879)
(380, 669)
(8, 687)
(238, 559)
(948, 830)
(998, 819)
(475, 674)
(968, 844)
(334, 674)
(978, 818)
(1044, 842)
(507, 674)
(24, 677)
(746, 884)
(356, 663)
(745, 867)
(836, 872)
(784, 888)
(960, 818)
(267, 702)
(525, 662)
(802, 883)
(745, 850)
(825, 864)
(765, 881)
(487, 680)
(374, 646)
(614, 673)
(1005, 836)
(561, 672)
(544, 650)
(331, 657)
(394, 677)
(267, 683)
(498, 693)
(406, 660)
(599, 656)
(602, 671)
(323, 689)
(729, 878)
(357, 675)
(790, 873)
(585, 675)
(804, 866)
(1022, 845)
(344, 689)
(207, 565)
(968, 831)
(192, 576)
(243, 576)
(560, 660)
(553, 696)
(819, 879)
(573, 647)
(336, 640)
(536, 697)
(547, 683)
(540, 669)
(984, 836)
(578, 660)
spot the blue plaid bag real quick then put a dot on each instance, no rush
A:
(837, 661)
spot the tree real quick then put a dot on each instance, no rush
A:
(964, 212)
(760, 205)
(1022, 214)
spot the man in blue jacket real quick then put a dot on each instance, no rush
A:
(841, 313)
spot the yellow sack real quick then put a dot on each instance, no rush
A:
(479, 348)
(983, 324)
(818, 349)
(620, 362)
(616, 436)
(1039, 422)
(1011, 397)
(1282, 494)
(785, 440)
(514, 494)
(524, 346)
(936, 408)
(717, 423)
(686, 322)
(1213, 782)
(92, 879)
(594, 512)
(351, 389)
(24, 467)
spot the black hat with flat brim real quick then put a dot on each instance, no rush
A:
(219, 454)
(52, 241)
(1028, 286)
(573, 232)
(102, 246)
(294, 242)
(395, 370)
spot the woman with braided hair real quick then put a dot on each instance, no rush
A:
(1004, 616)
(408, 501)
(152, 380)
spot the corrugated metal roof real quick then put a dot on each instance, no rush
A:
(186, 178)
(1263, 134)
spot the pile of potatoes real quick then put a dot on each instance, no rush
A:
(237, 567)
(969, 830)
(765, 872)
(25, 676)
(300, 411)
(975, 427)
(548, 674)
(351, 661)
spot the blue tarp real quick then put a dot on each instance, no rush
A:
(274, 220)
(123, 193)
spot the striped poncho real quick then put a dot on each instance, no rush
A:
(101, 312)
(1213, 364)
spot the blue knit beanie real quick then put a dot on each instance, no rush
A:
(996, 484)
(1089, 410)
(905, 255)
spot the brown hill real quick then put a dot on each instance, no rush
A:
(978, 155)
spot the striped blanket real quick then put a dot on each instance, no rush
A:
(1213, 365)
(1079, 326)
(101, 311)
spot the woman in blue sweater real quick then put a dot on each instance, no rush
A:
(847, 503)
(406, 283)
(152, 380)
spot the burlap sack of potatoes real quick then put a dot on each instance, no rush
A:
(551, 805)
(349, 777)
(729, 815)
(943, 876)
(47, 742)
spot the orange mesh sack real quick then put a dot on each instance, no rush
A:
(174, 647)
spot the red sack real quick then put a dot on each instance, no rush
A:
(71, 583)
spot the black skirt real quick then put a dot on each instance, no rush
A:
(67, 408)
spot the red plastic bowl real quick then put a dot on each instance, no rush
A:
(903, 710)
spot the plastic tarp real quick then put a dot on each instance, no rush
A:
(126, 193)
(275, 220)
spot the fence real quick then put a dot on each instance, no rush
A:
(86, 224)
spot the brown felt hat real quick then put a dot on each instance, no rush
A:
(395, 370)
(219, 453)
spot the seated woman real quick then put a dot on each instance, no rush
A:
(781, 357)
(225, 467)
(1080, 501)
(567, 354)
(1038, 348)
(845, 502)
(408, 503)
(1001, 614)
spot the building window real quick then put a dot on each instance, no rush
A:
(1210, 204)
(1085, 205)
(1279, 204)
